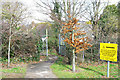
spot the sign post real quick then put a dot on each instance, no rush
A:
(108, 62)
(108, 69)
(108, 52)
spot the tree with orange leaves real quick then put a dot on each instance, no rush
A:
(74, 37)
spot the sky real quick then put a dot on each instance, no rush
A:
(31, 5)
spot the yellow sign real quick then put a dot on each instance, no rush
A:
(108, 51)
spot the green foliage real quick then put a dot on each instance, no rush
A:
(53, 54)
(92, 54)
(56, 10)
(112, 9)
(108, 23)
(39, 45)
(39, 49)
(107, 30)
(69, 53)
(55, 28)
(53, 40)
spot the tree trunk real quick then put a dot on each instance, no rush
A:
(9, 51)
(73, 67)
(9, 47)
(69, 60)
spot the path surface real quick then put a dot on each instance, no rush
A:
(41, 70)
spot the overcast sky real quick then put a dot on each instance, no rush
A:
(30, 4)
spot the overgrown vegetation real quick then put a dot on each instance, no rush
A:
(19, 42)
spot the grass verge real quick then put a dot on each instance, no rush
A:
(84, 70)
(15, 72)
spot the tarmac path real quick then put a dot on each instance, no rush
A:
(41, 70)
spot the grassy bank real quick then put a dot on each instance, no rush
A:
(84, 70)
(14, 71)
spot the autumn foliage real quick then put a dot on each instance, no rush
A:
(70, 30)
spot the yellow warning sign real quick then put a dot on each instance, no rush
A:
(108, 51)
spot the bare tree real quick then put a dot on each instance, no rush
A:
(13, 14)
(93, 15)
(57, 10)
(94, 10)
